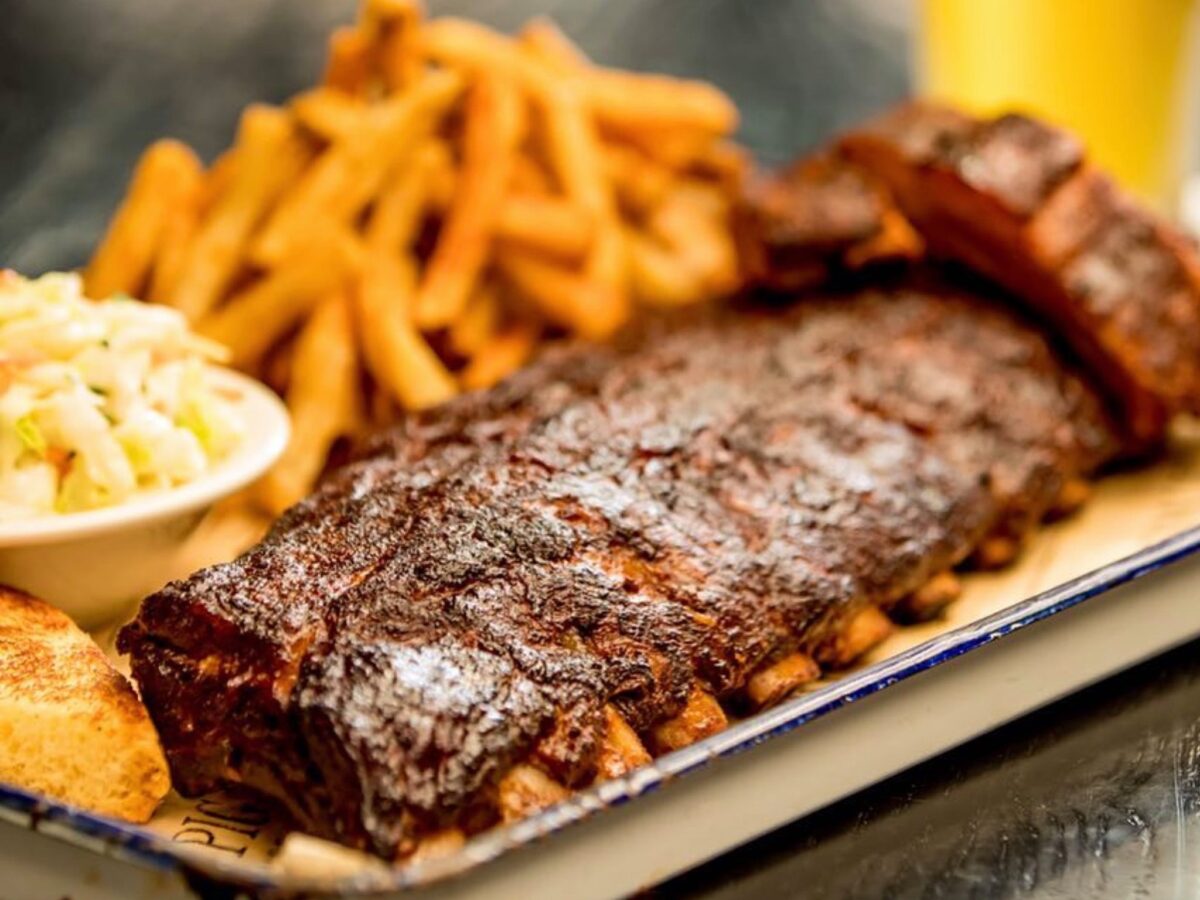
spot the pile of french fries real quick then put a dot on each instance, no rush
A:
(412, 227)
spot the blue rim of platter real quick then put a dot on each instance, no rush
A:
(141, 846)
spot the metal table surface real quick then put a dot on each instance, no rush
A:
(1098, 796)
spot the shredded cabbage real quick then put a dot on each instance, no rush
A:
(100, 400)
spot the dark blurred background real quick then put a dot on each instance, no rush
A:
(86, 84)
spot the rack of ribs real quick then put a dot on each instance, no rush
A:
(541, 586)
(1016, 200)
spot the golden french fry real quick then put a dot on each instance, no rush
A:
(530, 177)
(396, 217)
(695, 222)
(639, 182)
(633, 101)
(661, 277)
(626, 101)
(269, 157)
(393, 26)
(376, 15)
(547, 41)
(275, 370)
(531, 220)
(396, 354)
(688, 254)
(564, 296)
(256, 318)
(607, 263)
(726, 163)
(442, 179)
(348, 67)
(463, 44)
(328, 113)
(218, 178)
(506, 353)
(322, 399)
(571, 136)
(679, 149)
(574, 149)
(339, 185)
(478, 323)
(494, 128)
(167, 178)
(178, 234)
(547, 224)
(178, 230)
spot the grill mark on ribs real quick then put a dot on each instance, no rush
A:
(612, 527)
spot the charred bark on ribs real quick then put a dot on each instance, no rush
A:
(671, 516)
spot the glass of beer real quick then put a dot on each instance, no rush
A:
(1119, 73)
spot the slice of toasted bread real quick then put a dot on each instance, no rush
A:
(70, 726)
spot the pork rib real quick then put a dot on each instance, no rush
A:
(1016, 200)
(607, 542)
(819, 218)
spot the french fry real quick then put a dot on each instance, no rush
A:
(573, 149)
(636, 102)
(442, 180)
(257, 317)
(322, 399)
(167, 179)
(724, 162)
(546, 224)
(676, 119)
(502, 356)
(608, 266)
(494, 128)
(529, 181)
(531, 219)
(397, 214)
(275, 370)
(679, 149)
(660, 276)
(562, 295)
(339, 185)
(178, 235)
(547, 41)
(640, 183)
(218, 178)
(478, 323)
(348, 67)
(695, 221)
(473, 48)
(177, 232)
(269, 158)
(393, 26)
(530, 177)
(328, 113)
(688, 254)
(396, 354)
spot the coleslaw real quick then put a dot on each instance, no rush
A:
(100, 400)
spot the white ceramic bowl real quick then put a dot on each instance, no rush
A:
(96, 565)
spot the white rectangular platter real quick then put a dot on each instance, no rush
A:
(1094, 595)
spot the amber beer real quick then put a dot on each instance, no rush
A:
(1120, 73)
